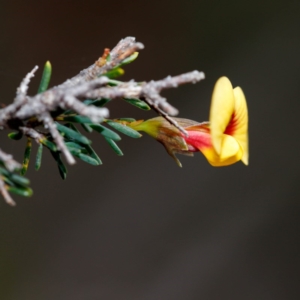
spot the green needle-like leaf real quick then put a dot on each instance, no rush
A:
(72, 134)
(114, 146)
(13, 179)
(129, 59)
(75, 146)
(15, 135)
(97, 102)
(45, 78)
(114, 73)
(127, 119)
(84, 121)
(26, 192)
(87, 127)
(26, 156)
(8, 181)
(124, 129)
(19, 180)
(50, 145)
(106, 132)
(77, 119)
(73, 127)
(74, 151)
(38, 159)
(88, 159)
(4, 172)
(113, 82)
(61, 167)
(138, 103)
(93, 154)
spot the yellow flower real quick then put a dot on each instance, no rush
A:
(223, 140)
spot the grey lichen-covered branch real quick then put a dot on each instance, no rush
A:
(9, 162)
(28, 113)
(150, 93)
(11, 165)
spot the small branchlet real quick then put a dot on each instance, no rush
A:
(150, 93)
(23, 88)
(8, 161)
(80, 99)
(11, 165)
(6, 196)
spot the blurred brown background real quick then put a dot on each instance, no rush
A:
(139, 227)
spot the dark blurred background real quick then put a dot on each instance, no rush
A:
(139, 227)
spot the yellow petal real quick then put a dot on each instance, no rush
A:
(230, 147)
(231, 152)
(240, 133)
(221, 110)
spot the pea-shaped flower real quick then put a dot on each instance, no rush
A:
(223, 140)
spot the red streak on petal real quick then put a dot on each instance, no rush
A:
(231, 127)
